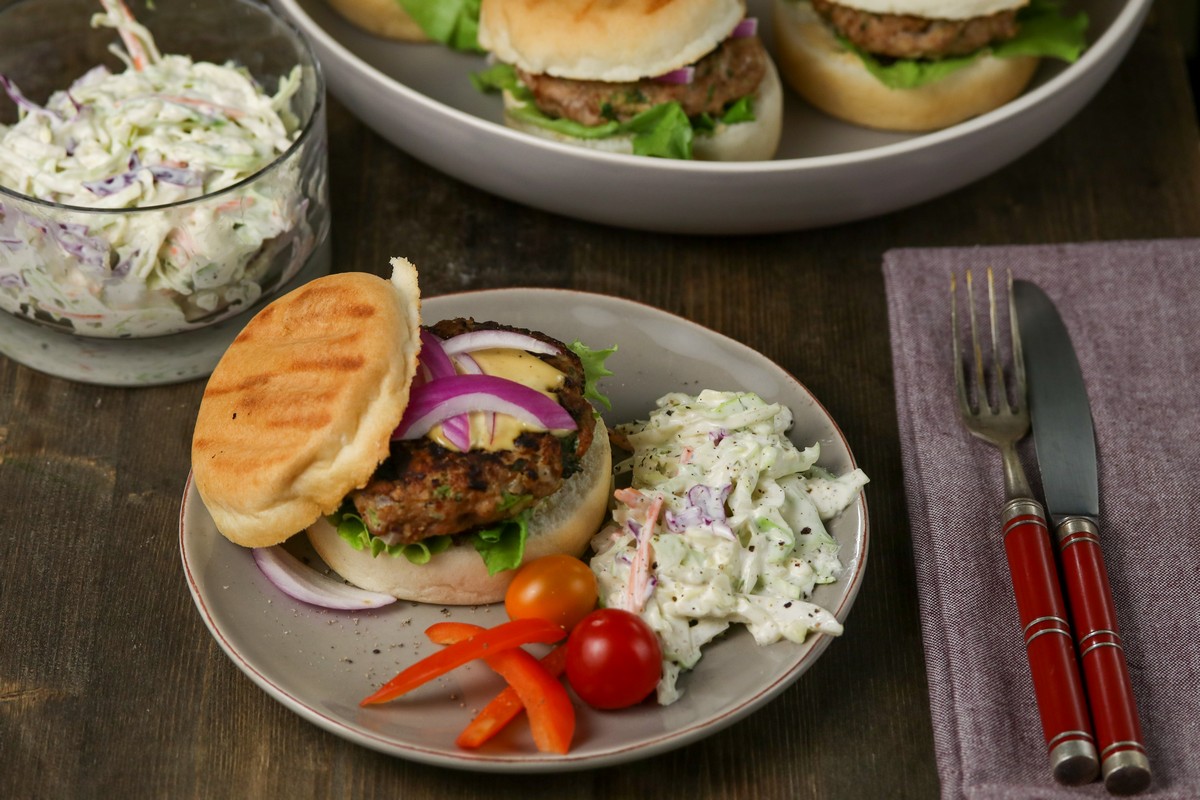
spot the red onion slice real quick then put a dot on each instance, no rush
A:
(457, 431)
(305, 584)
(683, 75)
(469, 366)
(747, 27)
(433, 356)
(486, 340)
(443, 398)
(437, 364)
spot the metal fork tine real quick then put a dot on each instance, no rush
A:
(999, 384)
(960, 379)
(981, 392)
(1018, 354)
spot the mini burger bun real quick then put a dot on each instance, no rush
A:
(564, 522)
(835, 80)
(385, 18)
(300, 409)
(608, 41)
(756, 140)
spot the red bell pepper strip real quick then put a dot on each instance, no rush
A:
(484, 643)
(531, 685)
(505, 706)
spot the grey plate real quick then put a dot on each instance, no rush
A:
(419, 98)
(320, 663)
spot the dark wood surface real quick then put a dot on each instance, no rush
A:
(110, 685)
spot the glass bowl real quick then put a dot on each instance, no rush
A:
(181, 263)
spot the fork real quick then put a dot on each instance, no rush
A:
(993, 408)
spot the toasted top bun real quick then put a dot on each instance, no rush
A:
(386, 18)
(935, 9)
(744, 141)
(564, 522)
(605, 40)
(300, 409)
(835, 80)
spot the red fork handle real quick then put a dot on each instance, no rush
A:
(1123, 761)
(1048, 643)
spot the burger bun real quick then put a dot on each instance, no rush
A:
(611, 41)
(300, 409)
(834, 79)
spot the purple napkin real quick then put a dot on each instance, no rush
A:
(1133, 311)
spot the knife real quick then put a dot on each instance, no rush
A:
(1066, 452)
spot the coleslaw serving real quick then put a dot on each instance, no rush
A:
(723, 523)
(150, 200)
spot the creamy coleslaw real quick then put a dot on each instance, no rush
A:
(140, 219)
(723, 523)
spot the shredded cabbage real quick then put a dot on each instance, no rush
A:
(724, 523)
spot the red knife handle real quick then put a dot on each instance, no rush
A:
(1123, 761)
(1048, 643)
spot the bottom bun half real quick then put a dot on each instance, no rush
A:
(386, 18)
(745, 141)
(561, 523)
(834, 79)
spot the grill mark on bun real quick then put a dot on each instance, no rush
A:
(302, 421)
(585, 11)
(328, 363)
(244, 385)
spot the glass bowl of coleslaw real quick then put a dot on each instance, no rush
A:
(163, 165)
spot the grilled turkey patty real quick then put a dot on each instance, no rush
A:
(732, 71)
(425, 490)
(901, 36)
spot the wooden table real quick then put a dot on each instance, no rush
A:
(110, 685)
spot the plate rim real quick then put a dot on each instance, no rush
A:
(530, 763)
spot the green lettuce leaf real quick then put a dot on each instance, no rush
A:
(568, 127)
(454, 23)
(741, 110)
(593, 370)
(502, 546)
(498, 78)
(353, 530)
(663, 131)
(1045, 32)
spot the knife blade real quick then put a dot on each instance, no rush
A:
(1065, 440)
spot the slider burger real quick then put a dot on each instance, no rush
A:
(425, 463)
(918, 65)
(451, 23)
(668, 78)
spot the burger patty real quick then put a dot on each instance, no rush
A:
(425, 490)
(732, 71)
(902, 36)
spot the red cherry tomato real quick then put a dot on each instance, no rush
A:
(559, 588)
(613, 659)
